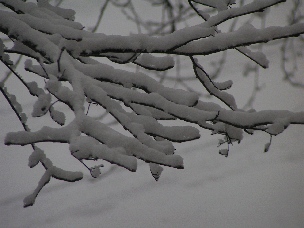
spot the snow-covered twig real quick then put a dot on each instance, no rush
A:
(64, 52)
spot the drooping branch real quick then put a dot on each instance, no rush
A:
(63, 50)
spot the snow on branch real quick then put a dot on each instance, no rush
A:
(154, 63)
(278, 120)
(244, 36)
(214, 88)
(50, 171)
(63, 50)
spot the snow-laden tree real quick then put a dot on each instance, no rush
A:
(68, 58)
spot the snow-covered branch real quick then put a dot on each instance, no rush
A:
(64, 50)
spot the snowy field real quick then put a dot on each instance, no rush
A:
(249, 188)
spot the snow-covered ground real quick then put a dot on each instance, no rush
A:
(250, 188)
